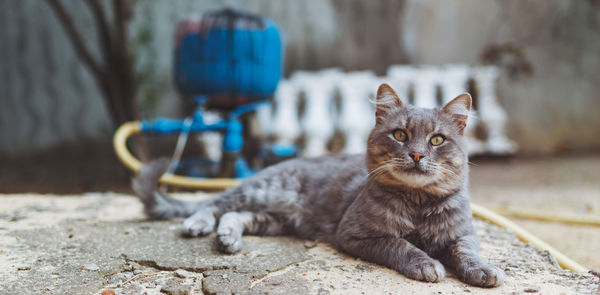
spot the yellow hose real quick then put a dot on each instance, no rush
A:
(527, 237)
(120, 145)
(131, 128)
(552, 217)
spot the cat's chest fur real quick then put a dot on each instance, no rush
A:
(426, 223)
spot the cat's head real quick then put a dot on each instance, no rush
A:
(416, 147)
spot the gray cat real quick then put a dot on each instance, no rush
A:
(407, 208)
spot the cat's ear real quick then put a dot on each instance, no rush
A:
(386, 101)
(459, 109)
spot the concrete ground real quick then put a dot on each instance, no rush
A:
(567, 185)
(100, 242)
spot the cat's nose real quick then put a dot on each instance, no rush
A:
(416, 156)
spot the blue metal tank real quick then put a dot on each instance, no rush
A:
(232, 58)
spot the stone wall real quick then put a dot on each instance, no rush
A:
(47, 97)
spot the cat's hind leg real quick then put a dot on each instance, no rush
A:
(233, 224)
(156, 204)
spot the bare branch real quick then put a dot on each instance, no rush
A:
(123, 12)
(103, 28)
(121, 15)
(75, 37)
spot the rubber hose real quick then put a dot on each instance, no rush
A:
(120, 145)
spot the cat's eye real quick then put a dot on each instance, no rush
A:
(400, 135)
(437, 140)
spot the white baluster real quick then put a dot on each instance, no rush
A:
(454, 81)
(285, 124)
(357, 114)
(319, 89)
(425, 86)
(213, 141)
(490, 111)
(400, 77)
(264, 116)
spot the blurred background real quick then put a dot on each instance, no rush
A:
(63, 93)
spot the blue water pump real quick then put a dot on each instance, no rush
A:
(227, 61)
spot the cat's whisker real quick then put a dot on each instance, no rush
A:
(389, 161)
(380, 169)
(394, 162)
(377, 169)
(446, 171)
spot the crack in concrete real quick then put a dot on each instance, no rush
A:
(275, 272)
(254, 279)
(153, 264)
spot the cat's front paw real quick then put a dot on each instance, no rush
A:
(485, 275)
(199, 224)
(427, 270)
(229, 240)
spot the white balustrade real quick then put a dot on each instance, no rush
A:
(355, 116)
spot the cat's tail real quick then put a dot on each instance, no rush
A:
(156, 204)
